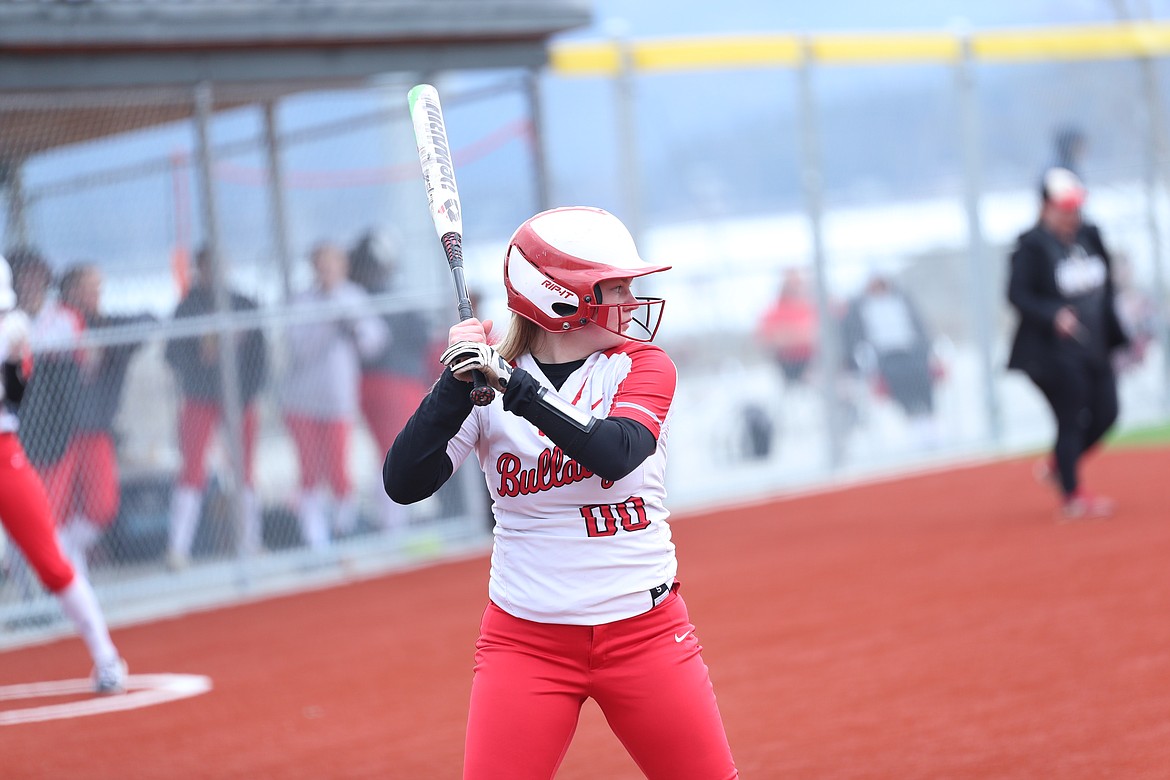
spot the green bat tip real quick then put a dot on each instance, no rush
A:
(415, 91)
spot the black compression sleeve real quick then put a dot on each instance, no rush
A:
(13, 379)
(611, 448)
(417, 464)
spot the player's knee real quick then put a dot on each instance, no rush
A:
(56, 576)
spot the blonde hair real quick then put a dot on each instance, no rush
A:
(522, 336)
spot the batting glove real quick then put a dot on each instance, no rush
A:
(464, 357)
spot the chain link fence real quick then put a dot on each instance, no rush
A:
(209, 443)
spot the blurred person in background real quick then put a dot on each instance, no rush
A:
(788, 328)
(583, 597)
(395, 377)
(887, 341)
(84, 485)
(195, 362)
(48, 414)
(1061, 286)
(48, 410)
(24, 507)
(321, 389)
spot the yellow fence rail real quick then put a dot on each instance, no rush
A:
(1077, 43)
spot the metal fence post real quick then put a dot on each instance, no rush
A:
(1155, 174)
(629, 172)
(12, 182)
(977, 260)
(272, 149)
(814, 196)
(532, 93)
(228, 365)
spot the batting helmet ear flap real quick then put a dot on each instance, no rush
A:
(536, 296)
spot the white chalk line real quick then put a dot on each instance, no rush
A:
(142, 690)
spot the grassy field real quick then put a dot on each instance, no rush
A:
(1143, 437)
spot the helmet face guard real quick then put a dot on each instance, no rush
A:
(556, 262)
(636, 321)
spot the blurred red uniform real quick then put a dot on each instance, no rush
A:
(788, 328)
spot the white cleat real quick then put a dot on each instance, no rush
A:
(177, 562)
(110, 678)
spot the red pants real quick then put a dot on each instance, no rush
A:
(197, 423)
(85, 480)
(27, 518)
(387, 402)
(646, 673)
(323, 447)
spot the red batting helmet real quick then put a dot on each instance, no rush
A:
(556, 262)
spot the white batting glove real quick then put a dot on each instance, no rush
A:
(464, 357)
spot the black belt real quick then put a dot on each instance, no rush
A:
(660, 592)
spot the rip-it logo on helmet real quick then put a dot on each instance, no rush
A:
(556, 288)
(556, 262)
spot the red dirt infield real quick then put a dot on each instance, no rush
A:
(942, 625)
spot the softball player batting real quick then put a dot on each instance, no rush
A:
(584, 600)
(24, 507)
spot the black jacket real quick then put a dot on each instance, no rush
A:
(1034, 291)
(201, 381)
(101, 392)
(49, 409)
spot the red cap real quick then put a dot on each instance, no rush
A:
(1063, 189)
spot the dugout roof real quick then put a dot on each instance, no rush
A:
(76, 63)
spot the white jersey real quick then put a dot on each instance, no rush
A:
(8, 421)
(571, 547)
(324, 356)
(59, 323)
(55, 327)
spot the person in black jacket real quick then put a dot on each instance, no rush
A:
(1061, 284)
(195, 362)
(85, 485)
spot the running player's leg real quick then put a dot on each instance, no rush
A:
(28, 519)
(526, 697)
(656, 694)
